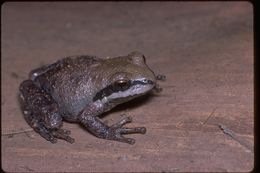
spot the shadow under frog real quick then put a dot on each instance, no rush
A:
(81, 88)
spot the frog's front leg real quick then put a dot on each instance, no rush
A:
(101, 130)
(41, 112)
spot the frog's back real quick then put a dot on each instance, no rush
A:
(69, 82)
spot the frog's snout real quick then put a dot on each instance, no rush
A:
(160, 77)
(157, 87)
(148, 81)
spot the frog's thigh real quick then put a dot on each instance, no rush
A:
(39, 109)
(38, 105)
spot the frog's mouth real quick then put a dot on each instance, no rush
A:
(133, 91)
(138, 87)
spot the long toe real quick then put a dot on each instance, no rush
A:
(125, 140)
(64, 131)
(52, 140)
(141, 130)
(122, 122)
(62, 134)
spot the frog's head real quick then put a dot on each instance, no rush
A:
(126, 78)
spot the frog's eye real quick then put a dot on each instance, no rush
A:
(122, 84)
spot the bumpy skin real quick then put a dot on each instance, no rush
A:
(80, 88)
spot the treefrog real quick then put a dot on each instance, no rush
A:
(80, 88)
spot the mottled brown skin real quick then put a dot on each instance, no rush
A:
(79, 89)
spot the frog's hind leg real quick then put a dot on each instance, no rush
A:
(41, 112)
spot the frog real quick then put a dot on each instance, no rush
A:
(79, 89)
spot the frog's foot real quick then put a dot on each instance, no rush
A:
(101, 130)
(116, 131)
(53, 134)
(63, 134)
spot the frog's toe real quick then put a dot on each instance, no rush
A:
(53, 135)
(116, 131)
(121, 130)
(64, 131)
(49, 137)
(141, 130)
(52, 140)
(122, 122)
(128, 140)
(43, 131)
(63, 134)
(121, 138)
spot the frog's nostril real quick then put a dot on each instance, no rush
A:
(160, 77)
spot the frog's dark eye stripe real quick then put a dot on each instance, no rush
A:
(120, 85)
(115, 87)
(104, 93)
(142, 82)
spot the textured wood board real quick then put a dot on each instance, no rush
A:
(204, 48)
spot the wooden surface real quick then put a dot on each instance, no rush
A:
(204, 49)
